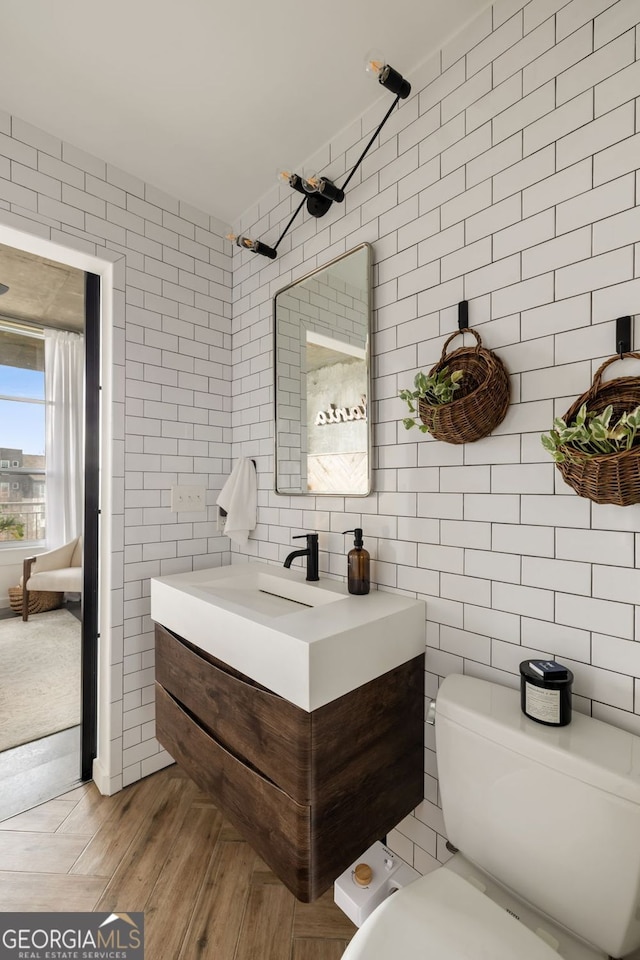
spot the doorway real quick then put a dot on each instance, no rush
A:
(55, 742)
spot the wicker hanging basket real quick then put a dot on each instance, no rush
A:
(609, 477)
(39, 600)
(481, 402)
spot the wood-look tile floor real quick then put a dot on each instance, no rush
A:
(161, 846)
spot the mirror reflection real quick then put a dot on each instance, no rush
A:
(322, 380)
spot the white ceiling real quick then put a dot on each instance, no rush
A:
(205, 98)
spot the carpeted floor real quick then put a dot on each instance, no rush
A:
(39, 677)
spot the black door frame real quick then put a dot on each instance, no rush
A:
(90, 578)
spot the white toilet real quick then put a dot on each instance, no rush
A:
(547, 820)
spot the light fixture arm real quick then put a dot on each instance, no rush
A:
(346, 183)
(286, 229)
(368, 146)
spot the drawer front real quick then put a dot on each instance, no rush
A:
(276, 826)
(272, 734)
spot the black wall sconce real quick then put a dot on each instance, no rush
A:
(318, 192)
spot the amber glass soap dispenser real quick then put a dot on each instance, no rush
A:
(358, 565)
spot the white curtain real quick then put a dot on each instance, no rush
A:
(64, 445)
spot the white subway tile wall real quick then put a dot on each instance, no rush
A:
(171, 408)
(510, 178)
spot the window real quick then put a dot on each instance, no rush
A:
(22, 433)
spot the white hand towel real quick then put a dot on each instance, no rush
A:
(239, 497)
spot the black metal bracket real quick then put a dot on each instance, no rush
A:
(463, 315)
(623, 335)
(317, 205)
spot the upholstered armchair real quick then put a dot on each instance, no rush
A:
(59, 570)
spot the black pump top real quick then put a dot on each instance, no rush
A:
(358, 542)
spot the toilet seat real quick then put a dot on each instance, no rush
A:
(442, 916)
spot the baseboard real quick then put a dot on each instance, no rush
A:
(102, 779)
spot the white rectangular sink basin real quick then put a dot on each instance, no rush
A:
(309, 642)
(265, 593)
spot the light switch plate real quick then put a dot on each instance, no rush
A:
(189, 498)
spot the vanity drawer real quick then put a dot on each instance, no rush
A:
(276, 826)
(272, 734)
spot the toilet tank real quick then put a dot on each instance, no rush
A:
(551, 812)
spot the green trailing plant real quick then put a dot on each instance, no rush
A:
(434, 388)
(11, 526)
(592, 434)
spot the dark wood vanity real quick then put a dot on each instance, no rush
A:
(309, 791)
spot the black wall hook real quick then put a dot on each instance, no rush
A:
(463, 315)
(623, 335)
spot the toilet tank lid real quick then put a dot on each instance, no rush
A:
(587, 749)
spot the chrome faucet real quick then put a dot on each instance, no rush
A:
(311, 553)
